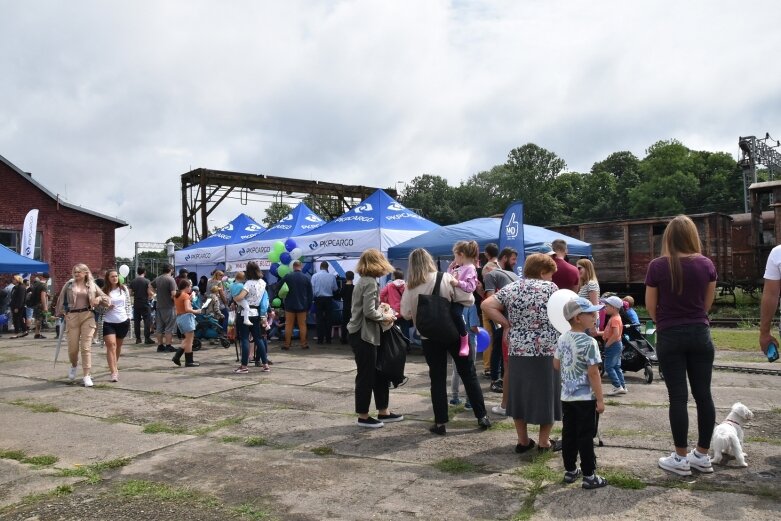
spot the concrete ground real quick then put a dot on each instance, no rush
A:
(204, 443)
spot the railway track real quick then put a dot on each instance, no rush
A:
(749, 370)
(723, 322)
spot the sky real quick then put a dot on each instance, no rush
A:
(107, 103)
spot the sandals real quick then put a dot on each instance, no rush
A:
(555, 446)
(241, 370)
(520, 449)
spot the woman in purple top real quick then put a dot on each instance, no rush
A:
(680, 287)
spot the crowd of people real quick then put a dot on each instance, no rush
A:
(544, 376)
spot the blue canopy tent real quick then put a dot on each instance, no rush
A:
(12, 262)
(205, 256)
(439, 242)
(299, 221)
(379, 221)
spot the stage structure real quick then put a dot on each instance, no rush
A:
(204, 189)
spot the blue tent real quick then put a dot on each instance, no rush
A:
(209, 253)
(439, 242)
(299, 221)
(12, 262)
(378, 222)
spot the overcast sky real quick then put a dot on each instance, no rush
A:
(107, 103)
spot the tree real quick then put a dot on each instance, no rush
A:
(624, 166)
(275, 212)
(530, 175)
(431, 197)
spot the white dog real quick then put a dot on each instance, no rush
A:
(728, 435)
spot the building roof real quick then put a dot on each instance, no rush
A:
(57, 198)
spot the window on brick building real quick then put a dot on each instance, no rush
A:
(12, 239)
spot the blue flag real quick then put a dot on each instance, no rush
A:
(511, 232)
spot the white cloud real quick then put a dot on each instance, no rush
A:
(112, 102)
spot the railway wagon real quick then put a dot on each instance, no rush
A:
(748, 261)
(623, 249)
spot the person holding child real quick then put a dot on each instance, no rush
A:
(464, 280)
(577, 360)
(612, 333)
(253, 301)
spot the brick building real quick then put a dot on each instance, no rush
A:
(67, 234)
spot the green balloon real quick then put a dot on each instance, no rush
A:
(283, 270)
(121, 279)
(283, 291)
(276, 303)
(273, 256)
(279, 247)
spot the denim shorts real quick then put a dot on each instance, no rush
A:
(186, 323)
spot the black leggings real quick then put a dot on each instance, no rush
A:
(683, 351)
(20, 320)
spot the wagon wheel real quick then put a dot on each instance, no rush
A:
(649, 374)
(225, 343)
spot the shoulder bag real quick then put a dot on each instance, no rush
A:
(433, 317)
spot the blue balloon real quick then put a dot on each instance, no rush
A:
(285, 258)
(274, 268)
(483, 339)
(290, 245)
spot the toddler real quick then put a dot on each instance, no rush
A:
(629, 307)
(613, 346)
(464, 279)
(236, 288)
(577, 359)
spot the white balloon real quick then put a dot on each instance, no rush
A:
(124, 270)
(296, 253)
(556, 309)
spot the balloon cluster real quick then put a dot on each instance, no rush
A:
(124, 271)
(281, 255)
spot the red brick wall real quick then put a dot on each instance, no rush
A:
(69, 236)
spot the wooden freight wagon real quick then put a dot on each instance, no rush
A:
(622, 249)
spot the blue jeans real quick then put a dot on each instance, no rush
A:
(612, 364)
(687, 352)
(260, 342)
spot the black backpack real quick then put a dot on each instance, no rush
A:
(433, 318)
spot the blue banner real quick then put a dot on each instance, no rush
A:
(511, 233)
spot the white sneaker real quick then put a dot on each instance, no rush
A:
(615, 391)
(72, 374)
(498, 409)
(88, 381)
(677, 464)
(247, 322)
(701, 463)
(623, 390)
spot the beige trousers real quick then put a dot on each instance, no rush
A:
(81, 330)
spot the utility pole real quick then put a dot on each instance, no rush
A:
(757, 152)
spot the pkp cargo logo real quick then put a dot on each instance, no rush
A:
(363, 208)
(396, 207)
(227, 228)
(312, 218)
(253, 228)
(249, 250)
(197, 256)
(330, 243)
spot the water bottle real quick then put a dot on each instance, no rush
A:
(772, 352)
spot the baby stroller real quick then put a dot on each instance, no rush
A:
(208, 328)
(638, 353)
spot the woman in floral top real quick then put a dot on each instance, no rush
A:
(534, 387)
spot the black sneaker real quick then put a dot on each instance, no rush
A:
(138, 340)
(149, 342)
(390, 418)
(439, 430)
(160, 348)
(170, 349)
(370, 423)
(484, 423)
(593, 481)
(496, 387)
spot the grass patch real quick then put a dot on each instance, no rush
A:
(455, 466)
(620, 479)
(452, 410)
(62, 490)
(538, 471)
(251, 512)
(93, 472)
(230, 439)
(762, 439)
(227, 422)
(623, 432)
(163, 428)
(255, 441)
(36, 407)
(22, 457)
(323, 451)
(743, 339)
(163, 492)
(776, 410)
(503, 425)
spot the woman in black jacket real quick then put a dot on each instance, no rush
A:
(18, 309)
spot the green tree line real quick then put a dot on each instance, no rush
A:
(669, 180)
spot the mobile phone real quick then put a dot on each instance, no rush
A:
(772, 352)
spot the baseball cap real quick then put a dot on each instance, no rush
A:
(613, 301)
(579, 305)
